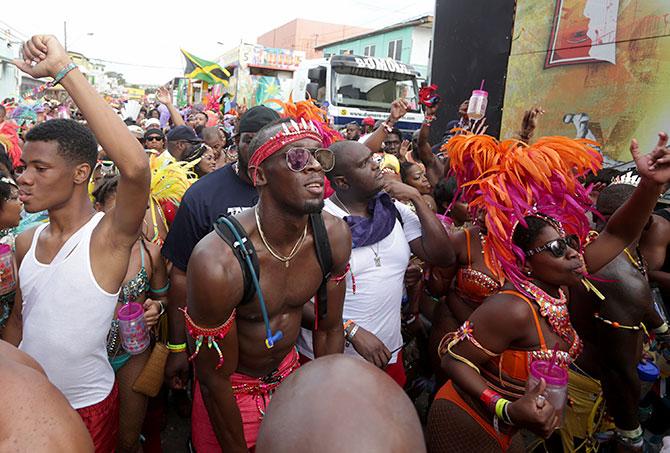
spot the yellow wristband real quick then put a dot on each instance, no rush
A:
(500, 405)
(176, 347)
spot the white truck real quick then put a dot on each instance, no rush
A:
(351, 88)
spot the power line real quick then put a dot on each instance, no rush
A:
(137, 65)
(19, 33)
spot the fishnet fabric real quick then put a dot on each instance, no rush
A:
(451, 430)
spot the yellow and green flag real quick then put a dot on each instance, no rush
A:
(207, 71)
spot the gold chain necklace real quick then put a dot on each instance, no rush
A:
(284, 259)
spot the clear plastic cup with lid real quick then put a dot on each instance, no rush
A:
(477, 105)
(556, 378)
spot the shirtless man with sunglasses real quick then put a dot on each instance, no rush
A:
(287, 167)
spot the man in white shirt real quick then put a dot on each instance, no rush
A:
(385, 233)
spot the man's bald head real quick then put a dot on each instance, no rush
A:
(338, 403)
(346, 153)
(355, 170)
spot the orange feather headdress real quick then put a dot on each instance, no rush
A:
(511, 180)
(308, 110)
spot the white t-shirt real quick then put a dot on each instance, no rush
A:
(376, 304)
(363, 138)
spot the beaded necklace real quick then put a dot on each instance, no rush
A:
(555, 311)
(638, 262)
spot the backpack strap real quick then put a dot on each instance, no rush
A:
(399, 216)
(325, 256)
(240, 251)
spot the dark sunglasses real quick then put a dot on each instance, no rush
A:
(298, 158)
(557, 247)
(154, 138)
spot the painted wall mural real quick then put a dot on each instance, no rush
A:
(600, 69)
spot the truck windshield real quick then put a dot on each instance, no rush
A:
(372, 92)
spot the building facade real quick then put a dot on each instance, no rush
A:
(409, 42)
(306, 35)
(260, 73)
(10, 77)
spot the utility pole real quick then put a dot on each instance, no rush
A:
(65, 34)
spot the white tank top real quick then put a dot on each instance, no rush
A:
(66, 317)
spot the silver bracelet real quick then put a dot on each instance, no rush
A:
(160, 304)
(506, 417)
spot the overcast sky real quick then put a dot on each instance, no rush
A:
(151, 33)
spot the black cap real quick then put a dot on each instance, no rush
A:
(256, 118)
(154, 131)
(183, 133)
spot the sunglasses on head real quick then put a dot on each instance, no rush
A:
(298, 158)
(107, 167)
(557, 247)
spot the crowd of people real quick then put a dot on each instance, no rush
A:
(470, 294)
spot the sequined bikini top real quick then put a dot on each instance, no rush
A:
(515, 363)
(138, 285)
(472, 284)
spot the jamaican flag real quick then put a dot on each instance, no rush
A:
(207, 71)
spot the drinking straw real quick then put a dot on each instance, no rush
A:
(553, 358)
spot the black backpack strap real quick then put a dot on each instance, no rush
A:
(240, 250)
(325, 256)
(399, 217)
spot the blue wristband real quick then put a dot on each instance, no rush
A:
(62, 73)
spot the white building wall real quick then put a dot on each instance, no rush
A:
(421, 45)
(10, 78)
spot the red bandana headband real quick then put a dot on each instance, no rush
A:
(290, 132)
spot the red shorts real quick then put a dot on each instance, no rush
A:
(397, 371)
(102, 421)
(251, 404)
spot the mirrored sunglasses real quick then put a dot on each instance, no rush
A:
(298, 158)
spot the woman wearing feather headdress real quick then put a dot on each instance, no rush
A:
(536, 222)
(470, 280)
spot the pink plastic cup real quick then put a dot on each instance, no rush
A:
(557, 383)
(133, 329)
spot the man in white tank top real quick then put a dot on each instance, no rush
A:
(71, 269)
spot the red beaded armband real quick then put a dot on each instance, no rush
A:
(339, 278)
(489, 398)
(212, 335)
